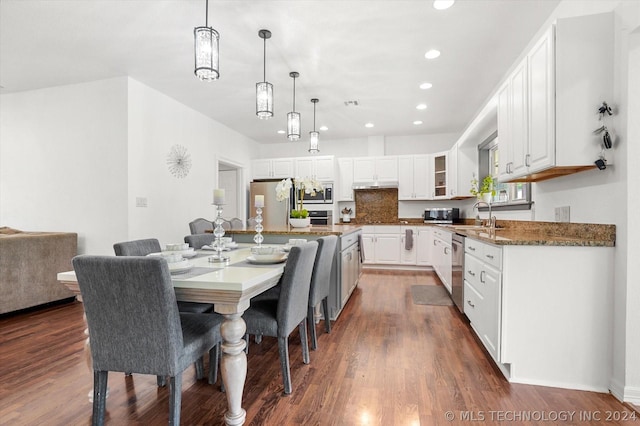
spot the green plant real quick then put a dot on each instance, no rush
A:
(488, 186)
(299, 214)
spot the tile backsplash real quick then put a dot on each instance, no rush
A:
(377, 205)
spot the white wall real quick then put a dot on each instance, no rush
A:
(156, 122)
(63, 161)
(74, 158)
(362, 147)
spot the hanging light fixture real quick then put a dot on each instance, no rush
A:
(314, 136)
(206, 50)
(293, 118)
(264, 89)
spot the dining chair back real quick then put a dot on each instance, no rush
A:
(134, 324)
(279, 317)
(152, 245)
(198, 240)
(137, 247)
(200, 226)
(236, 223)
(320, 284)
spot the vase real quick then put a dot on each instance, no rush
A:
(299, 223)
(486, 197)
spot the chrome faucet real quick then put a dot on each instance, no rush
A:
(491, 222)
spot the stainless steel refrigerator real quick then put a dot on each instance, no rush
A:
(275, 214)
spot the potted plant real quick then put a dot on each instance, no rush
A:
(346, 214)
(299, 217)
(486, 191)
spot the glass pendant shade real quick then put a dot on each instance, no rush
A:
(314, 138)
(264, 89)
(293, 118)
(206, 51)
(293, 126)
(264, 100)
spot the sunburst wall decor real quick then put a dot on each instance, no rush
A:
(179, 161)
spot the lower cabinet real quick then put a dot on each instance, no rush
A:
(482, 292)
(441, 246)
(381, 245)
(350, 266)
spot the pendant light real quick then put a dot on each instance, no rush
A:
(264, 89)
(206, 50)
(314, 136)
(293, 118)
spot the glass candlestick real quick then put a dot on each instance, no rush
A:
(218, 232)
(258, 238)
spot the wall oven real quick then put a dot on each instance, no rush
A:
(321, 217)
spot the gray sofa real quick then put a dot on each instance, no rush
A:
(29, 264)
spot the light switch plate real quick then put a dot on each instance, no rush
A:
(563, 214)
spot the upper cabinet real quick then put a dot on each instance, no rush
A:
(320, 168)
(375, 169)
(345, 179)
(413, 177)
(272, 168)
(547, 107)
(439, 166)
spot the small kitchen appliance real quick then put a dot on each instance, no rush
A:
(442, 215)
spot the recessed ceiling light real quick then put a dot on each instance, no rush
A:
(417, 122)
(421, 106)
(281, 132)
(442, 4)
(368, 125)
(324, 128)
(425, 86)
(432, 54)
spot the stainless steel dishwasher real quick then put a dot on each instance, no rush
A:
(457, 271)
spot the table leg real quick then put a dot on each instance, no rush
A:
(234, 366)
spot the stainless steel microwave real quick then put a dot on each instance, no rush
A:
(325, 197)
(442, 215)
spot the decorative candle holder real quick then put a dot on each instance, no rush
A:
(258, 238)
(218, 232)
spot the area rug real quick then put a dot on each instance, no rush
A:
(430, 295)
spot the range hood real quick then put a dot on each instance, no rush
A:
(375, 185)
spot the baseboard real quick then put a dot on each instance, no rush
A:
(398, 267)
(617, 389)
(562, 385)
(632, 395)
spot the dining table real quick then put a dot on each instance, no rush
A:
(229, 285)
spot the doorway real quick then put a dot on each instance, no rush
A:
(230, 178)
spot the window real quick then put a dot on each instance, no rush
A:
(509, 196)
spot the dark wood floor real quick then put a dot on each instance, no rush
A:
(387, 362)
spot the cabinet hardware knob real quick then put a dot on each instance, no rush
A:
(473, 274)
(471, 304)
(490, 256)
(472, 248)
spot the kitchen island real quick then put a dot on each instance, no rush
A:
(346, 269)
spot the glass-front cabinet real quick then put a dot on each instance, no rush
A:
(440, 184)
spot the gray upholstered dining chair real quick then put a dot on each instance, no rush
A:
(152, 245)
(279, 317)
(134, 325)
(200, 226)
(236, 223)
(198, 240)
(320, 284)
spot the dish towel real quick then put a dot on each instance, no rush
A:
(408, 239)
(360, 248)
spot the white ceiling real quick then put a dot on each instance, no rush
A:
(371, 51)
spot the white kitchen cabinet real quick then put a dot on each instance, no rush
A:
(424, 246)
(375, 169)
(272, 168)
(408, 252)
(482, 292)
(345, 179)
(413, 177)
(442, 256)
(439, 176)
(452, 172)
(381, 244)
(546, 119)
(321, 168)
